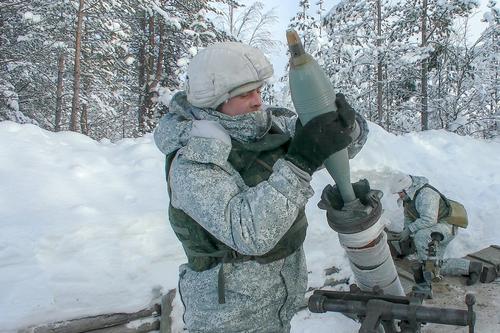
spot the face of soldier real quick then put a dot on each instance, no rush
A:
(245, 103)
(402, 197)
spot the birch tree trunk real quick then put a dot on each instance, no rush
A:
(144, 113)
(380, 111)
(231, 19)
(152, 72)
(75, 105)
(141, 67)
(59, 91)
(84, 127)
(423, 71)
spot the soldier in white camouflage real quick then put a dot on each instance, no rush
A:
(425, 212)
(238, 177)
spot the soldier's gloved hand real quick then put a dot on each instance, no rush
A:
(322, 136)
(331, 197)
(365, 209)
(404, 235)
(347, 115)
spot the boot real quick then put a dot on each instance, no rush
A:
(475, 269)
(423, 285)
(422, 290)
(489, 274)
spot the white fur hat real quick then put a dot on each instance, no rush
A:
(224, 70)
(400, 182)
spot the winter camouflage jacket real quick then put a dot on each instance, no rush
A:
(427, 204)
(251, 220)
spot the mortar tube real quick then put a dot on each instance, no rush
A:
(372, 265)
(368, 251)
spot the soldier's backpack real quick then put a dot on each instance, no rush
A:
(454, 212)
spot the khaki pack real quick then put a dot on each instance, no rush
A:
(450, 211)
(458, 214)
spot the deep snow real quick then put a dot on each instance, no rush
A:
(84, 229)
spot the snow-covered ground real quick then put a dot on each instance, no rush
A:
(84, 229)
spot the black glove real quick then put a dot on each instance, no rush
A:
(331, 196)
(356, 216)
(322, 136)
(347, 115)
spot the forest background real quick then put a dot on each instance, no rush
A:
(108, 69)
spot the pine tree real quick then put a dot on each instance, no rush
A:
(38, 55)
(359, 33)
(308, 29)
(432, 22)
(487, 72)
(170, 36)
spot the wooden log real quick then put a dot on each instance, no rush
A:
(166, 311)
(142, 328)
(92, 323)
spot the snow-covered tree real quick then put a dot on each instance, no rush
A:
(98, 67)
(308, 29)
(360, 54)
(486, 74)
(249, 24)
(409, 59)
(431, 23)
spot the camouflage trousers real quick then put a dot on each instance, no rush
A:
(449, 266)
(260, 298)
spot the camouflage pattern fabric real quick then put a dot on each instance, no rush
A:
(427, 205)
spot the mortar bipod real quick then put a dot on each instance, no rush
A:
(374, 309)
(432, 266)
